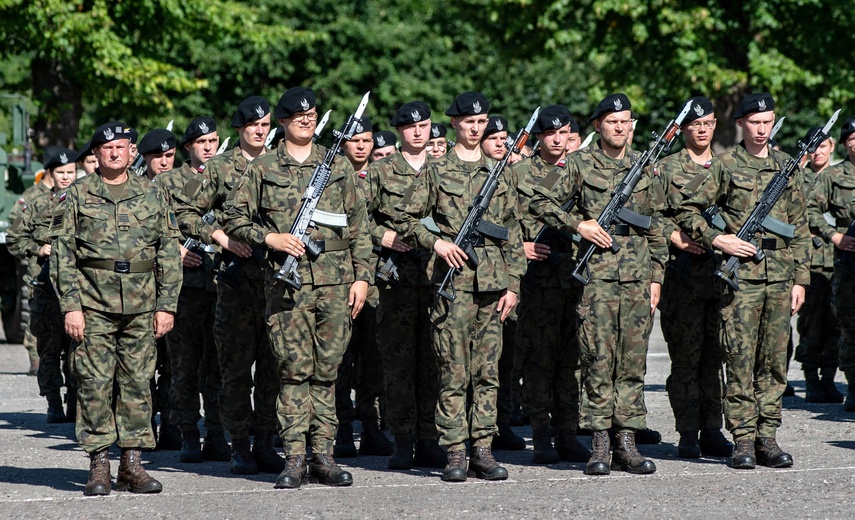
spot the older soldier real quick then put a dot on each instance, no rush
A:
(384, 145)
(116, 271)
(467, 334)
(437, 145)
(624, 287)
(308, 328)
(755, 320)
(690, 301)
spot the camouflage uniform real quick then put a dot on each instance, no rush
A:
(308, 329)
(240, 331)
(755, 321)
(138, 232)
(614, 308)
(466, 333)
(689, 317)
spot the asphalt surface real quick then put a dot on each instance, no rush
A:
(42, 473)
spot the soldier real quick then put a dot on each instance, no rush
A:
(624, 287)
(755, 320)
(192, 350)
(158, 150)
(833, 194)
(86, 161)
(437, 144)
(690, 301)
(819, 334)
(403, 317)
(546, 329)
(308, 328)
(384, 145)
(29, 240)
(467, 334)
(495, 135)
(116, 270)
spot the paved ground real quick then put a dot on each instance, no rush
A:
(42, 473)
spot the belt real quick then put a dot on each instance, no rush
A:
(625, 230)
(774, 243)
(325, 246)
(119, 266)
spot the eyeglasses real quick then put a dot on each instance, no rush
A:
(696, 125)
(308, 116)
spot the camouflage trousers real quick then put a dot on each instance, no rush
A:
(614, 328)
(755, 327)
(308, 330)
(240, 333)
(690, 325)
(549, 351)
(195, 368)
(361, 368)
(412, 376)
(29, 338)
(819, 335)
(116, 349)
(53, 344)
(467, 341)
(842, 296)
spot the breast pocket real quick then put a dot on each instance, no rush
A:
(594, 188)
(741, 196)
(641, 194)
(92, 223)
(842, 196)
(452, 197)
(278, 194)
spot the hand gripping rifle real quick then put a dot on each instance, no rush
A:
(304, 222)
(759, 218)
(475, 226)
(614, 212)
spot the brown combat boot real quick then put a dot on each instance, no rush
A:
(295, 471)
(99, 474)
(482, 465)
(598, 464)
(325, 469)
(132, 477)
(771, 455)
(743, 456)
(455, 470)
(569, 448)
(627, 458)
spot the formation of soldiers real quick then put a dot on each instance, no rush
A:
(161, 288)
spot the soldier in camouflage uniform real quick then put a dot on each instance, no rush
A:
(116, 270)
(817, 326)
(615, 310)
(29, 240)
(437, 144)
(467, 334)
(384, 145)
(833, 194)
(87, 163)
(690, 301)
(308, 328)
(755, 320)
(192, 350)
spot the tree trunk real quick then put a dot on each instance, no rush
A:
(60, 105)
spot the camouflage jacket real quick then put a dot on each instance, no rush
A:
(31, 194)
(833, 196)
(391, 181)
(139, 227)
(821, 257)
(555, 270)
(592, 177)
(734, 182)
(451, 186)
(269, 197)
(30, 230)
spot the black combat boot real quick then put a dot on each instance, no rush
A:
(295, 471)
(482, 465)
(627, 458)
(216, 448)
(814, 391)
(569, 448)
(544, 452)
(688, 447)
(55, 411)
(243, 462)
(374, 441)
(507, 440)
(191, 447)
(429, 454)
(132, 477)
(265, 456)
(714, 444)
(71, 406)
(598, 464)
(169, 437)
(743, 455)
(324, 468)
(849, 403)
(771, 455)
(344, 448)
(648, 436)
(455, 470)
(99, 474)
(402, 457)
(827, 381)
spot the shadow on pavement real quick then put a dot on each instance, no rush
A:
(61, 479)
(849, 445)
(36, 421)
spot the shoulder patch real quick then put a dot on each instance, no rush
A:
(57, 220)
(173, 222)
(562, 163)
(363, 173)
(708, 164)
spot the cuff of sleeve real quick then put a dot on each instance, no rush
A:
(167, 305)
(207, 232)
(709, 236)
(257, 236)
(828, 232)
(658, 277)
(70, 304)
(574, 225)
(427, 240)
(802, 278)
(514, 285)
(362, 274)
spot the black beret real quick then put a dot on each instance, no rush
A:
(611, 103)
(134, 135)
(363, 125)
(468, 104)
(199, 126)
(701, 107)
(847, 129)
(112, 131)
(554, 117)
(57, 157)
(86, 151)
(409, 113)
(495, 125)
(438, 130)
(297, 99)
(384, 138)
(157, 141)
(278, 135)
(757, 102)
(250, 109)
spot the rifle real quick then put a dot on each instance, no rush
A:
(614, 211)
(759, 217)
(196, 246)
(388, 272)
(306, 217)
(475, 227)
